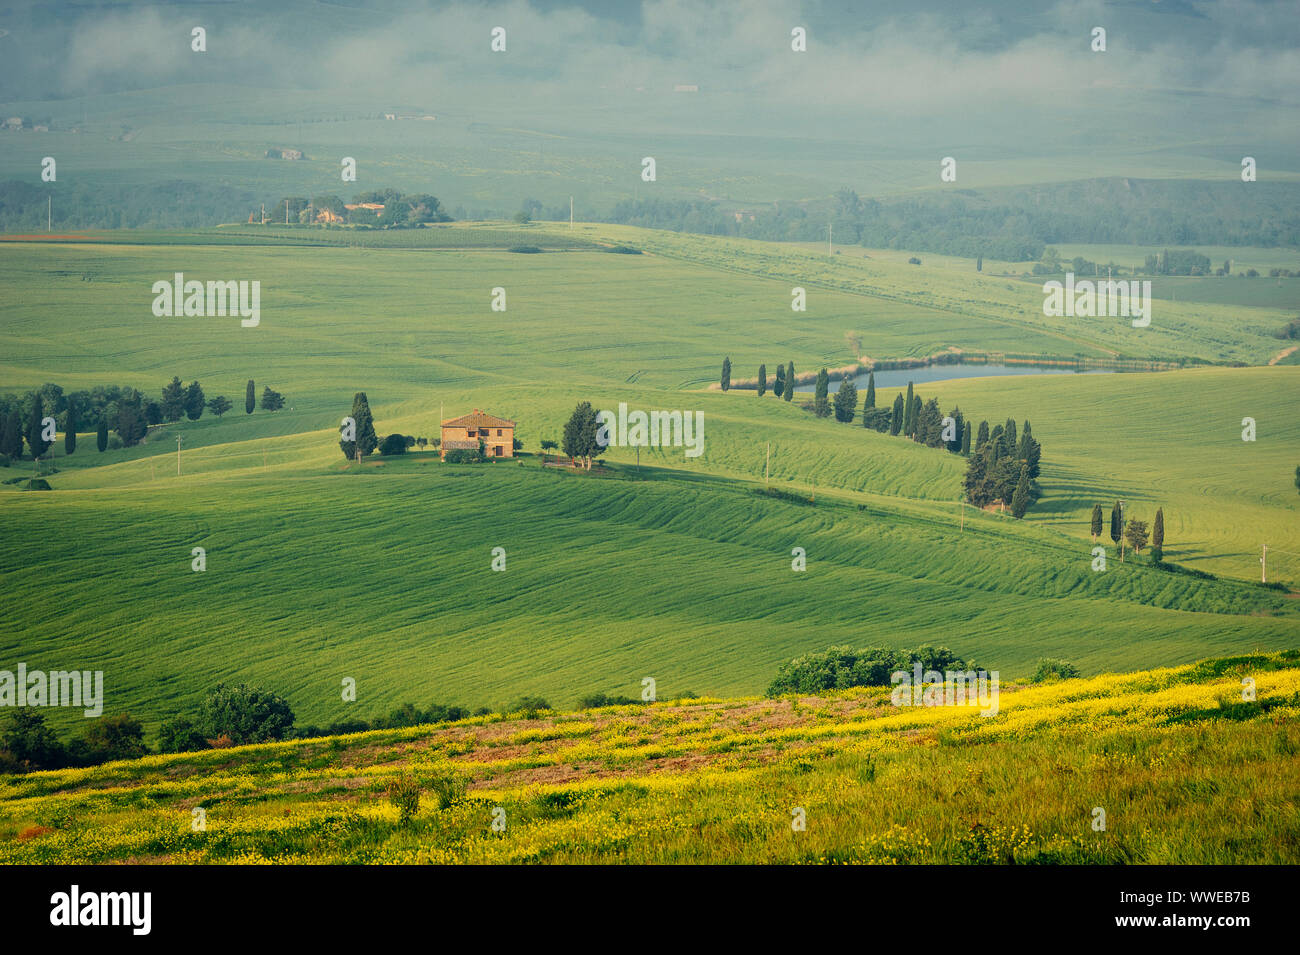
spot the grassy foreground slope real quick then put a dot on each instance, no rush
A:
(1174, 758)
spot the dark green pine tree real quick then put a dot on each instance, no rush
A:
(995, 439)
(958, 432)
(37, 444)
(789, 381)
(726, 374)
(965, 440)
(778, 386)
(173, 400)
(979, 264)
(822, 407)
(846, 400)
(366, 440)
(908, 409)
(1020, 499)
(250, 398)
(1009, 438)
(194, 401)
(1096, 522)
(982, 438)
(1158, 536)
(1116, 529)
(762, 380)
(896, 423)
(101, 434)
(871, 391)
(11, 436)
(70, 430)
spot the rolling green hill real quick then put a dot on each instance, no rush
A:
(318, 571)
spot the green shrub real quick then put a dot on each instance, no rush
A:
(404, 793)
(1050, 669)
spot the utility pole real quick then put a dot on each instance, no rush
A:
(830, 236)
(49, 214)
(767, 461)
(286, 212)
(1263, 564)
(570, 212)
(179, 439)
(963, 516)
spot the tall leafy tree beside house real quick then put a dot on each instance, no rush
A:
(579, 440)
(366, 440)
(846, 400)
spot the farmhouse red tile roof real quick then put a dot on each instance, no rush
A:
(478, 419)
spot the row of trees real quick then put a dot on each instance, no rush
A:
(123, 410)
(400, 210)
(1132, 531)
(579, 438)
(229, 715)
(782, 385)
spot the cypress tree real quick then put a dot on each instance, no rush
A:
(1009, 438)
(366, 440)
(821, 407)
(908, 402)
(762, 380)
(965, 440)
(1020, 499)
(778, 386)
(1096, 522)
(789, 381)
(194, 401)
(1116, 531)
(896, 424)
(173, 400)
(70, 430)
(871, 391)
(11, 436)
(982, 438)
(995, 439)
(250, 398)
(1158, 536)
(38, 444)
(726, 374)
(846, 400)
(101, 434)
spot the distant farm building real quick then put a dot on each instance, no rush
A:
(327, 216)
(686, 88)
(374, 206)
(465, 433)
(274, 153)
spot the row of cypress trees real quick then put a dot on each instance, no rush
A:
(1132, 531)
